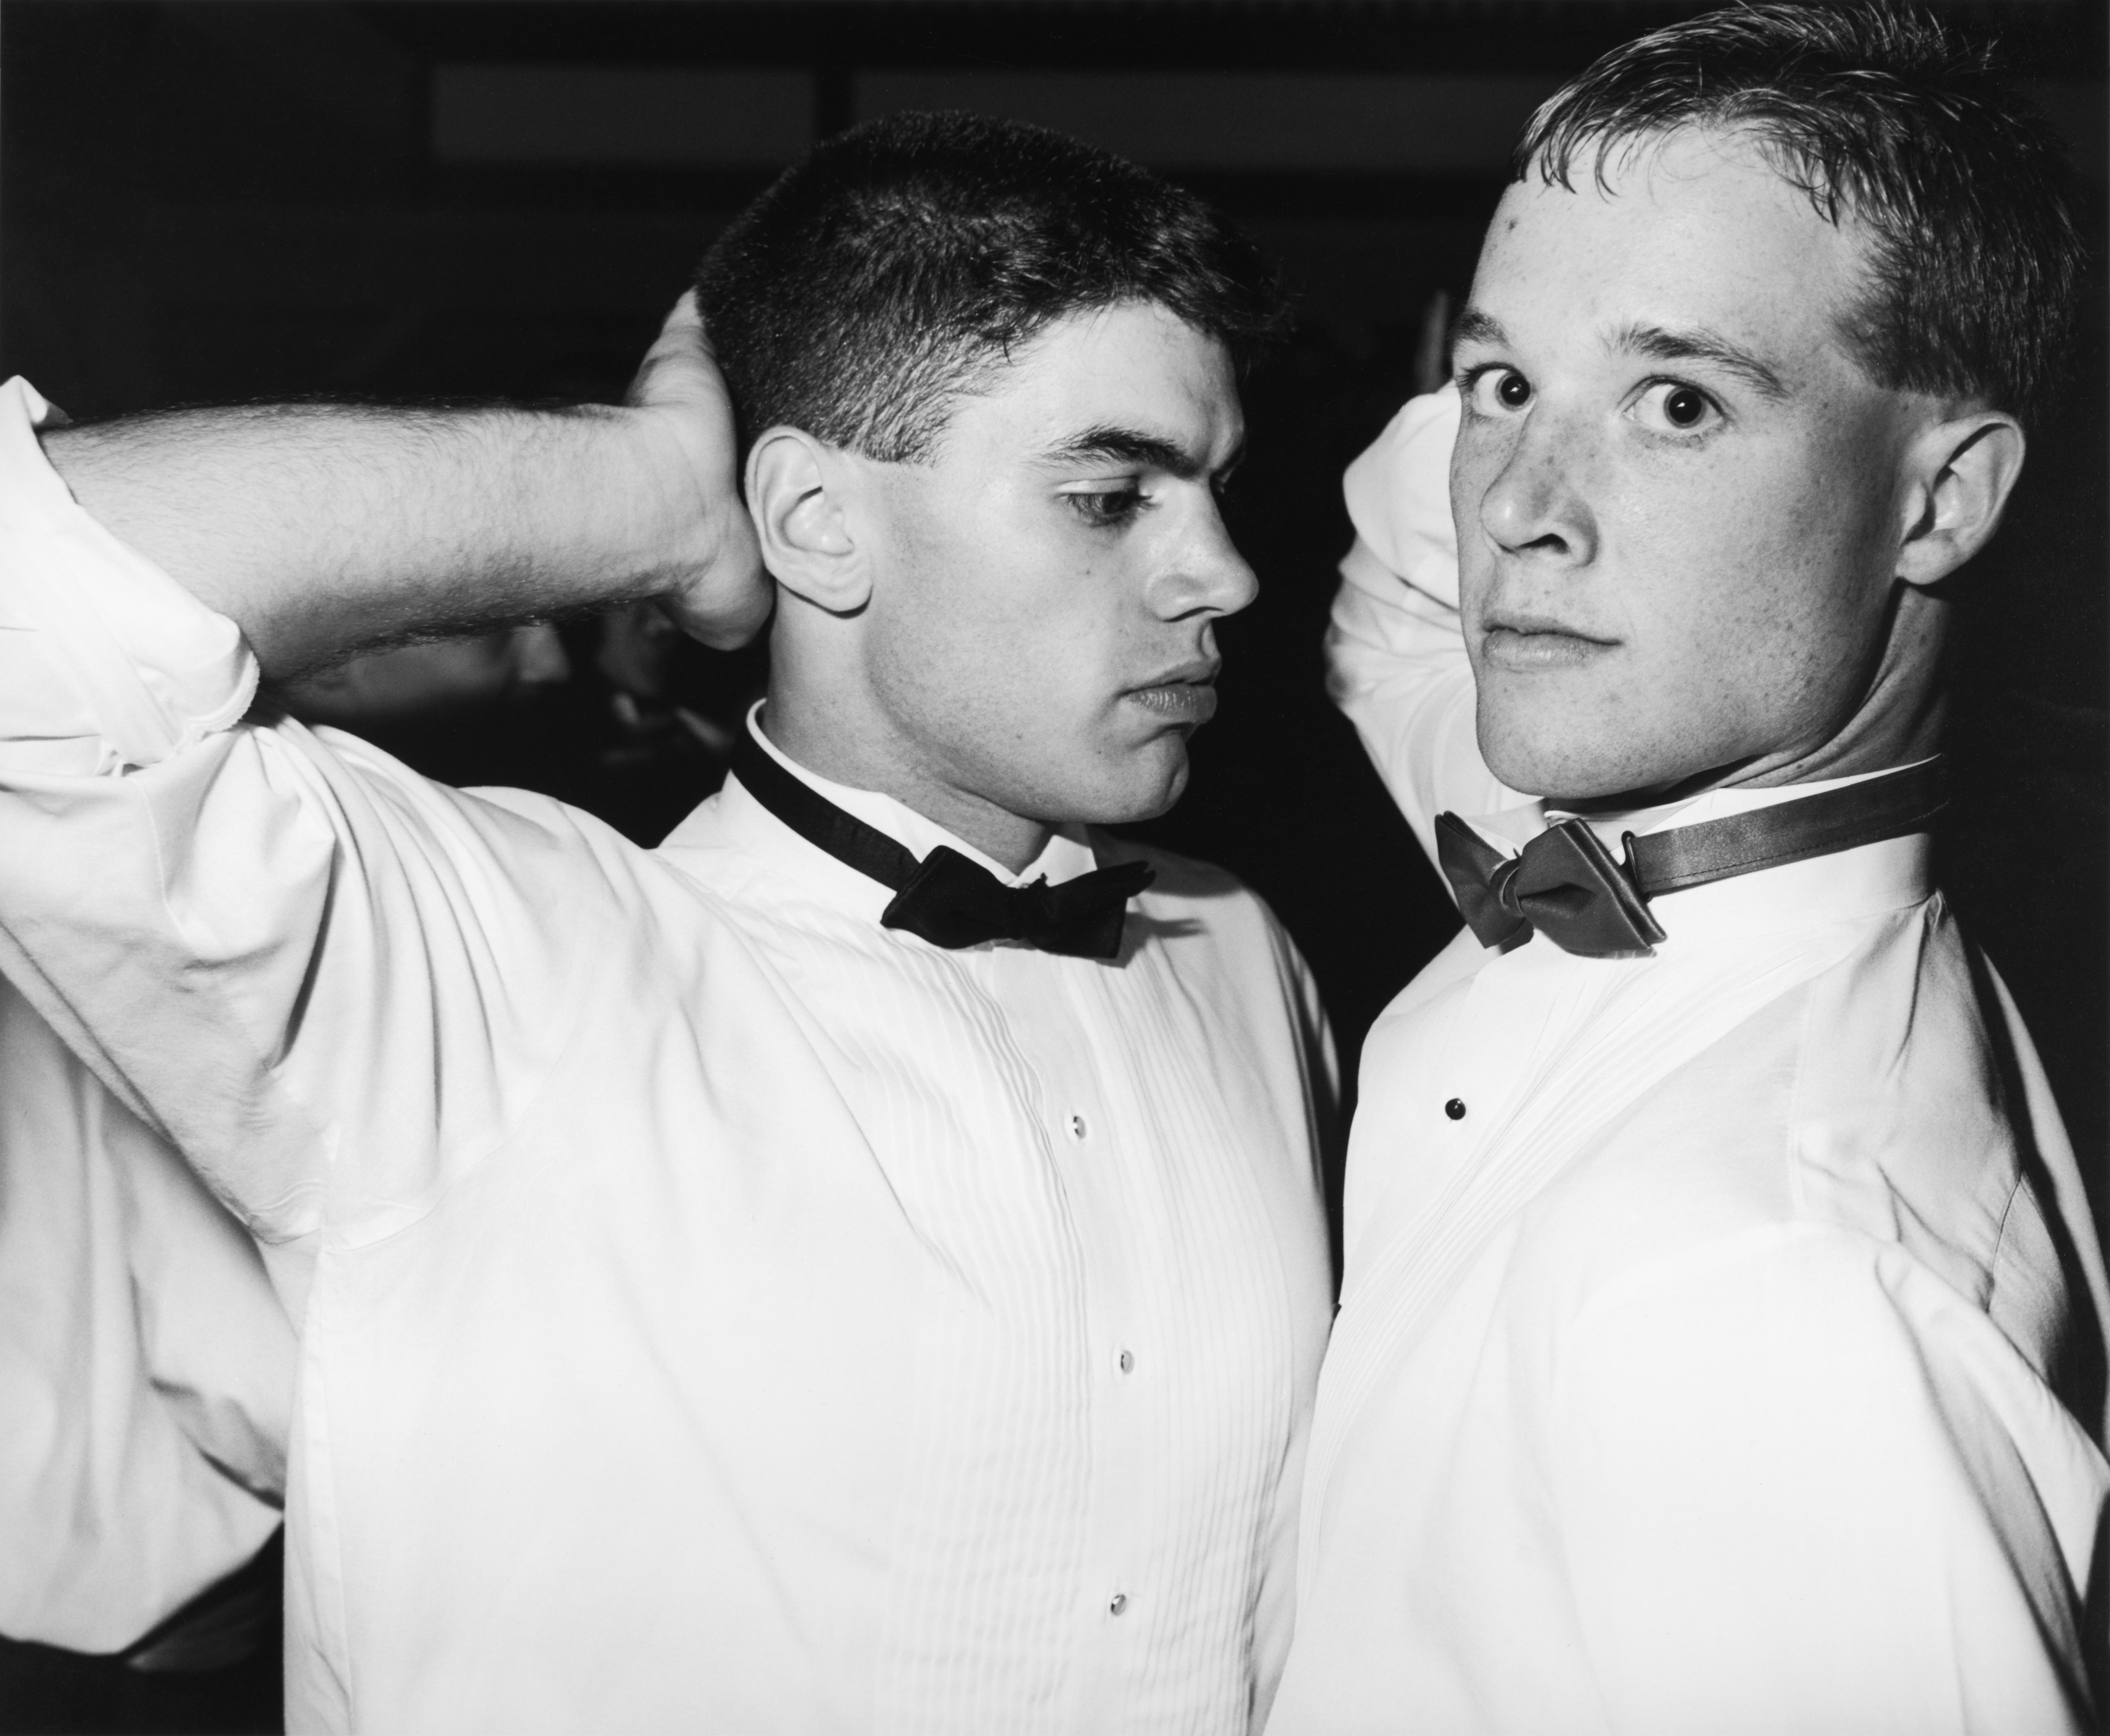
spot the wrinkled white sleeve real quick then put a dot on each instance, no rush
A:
(146, 1366)
(1395, 656)
(1802, 1484)
(273, 945)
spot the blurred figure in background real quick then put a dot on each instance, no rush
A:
(385, 691)
(620, 713)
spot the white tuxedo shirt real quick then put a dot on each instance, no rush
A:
(717, 1312)
(146, 1366)
(1706, 1318)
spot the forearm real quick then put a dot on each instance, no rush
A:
(320, 529)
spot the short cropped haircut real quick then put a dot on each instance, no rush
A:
(1882, 112)
(894, 267)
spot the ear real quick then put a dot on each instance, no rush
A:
(1961, 473)
(798, 492)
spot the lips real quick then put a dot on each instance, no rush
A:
(1186, 695)
(1526, 644)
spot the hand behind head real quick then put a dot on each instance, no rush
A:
(719, 593)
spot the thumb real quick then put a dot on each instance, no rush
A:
(680, 369)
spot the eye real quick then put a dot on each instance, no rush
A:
(1672, 407)
(1495, 391)
(1107, 507)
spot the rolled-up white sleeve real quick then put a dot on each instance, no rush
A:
(1395, 654)
(271, 943)
(106, 663)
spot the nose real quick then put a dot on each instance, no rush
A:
(1209, 575)
(1534, 504)
(538, 656)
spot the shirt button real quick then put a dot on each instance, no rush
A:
(1120, 1602)
(1455, 1109)
(1127, 1361)
(1077, 1126)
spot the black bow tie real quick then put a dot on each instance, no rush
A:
(1565, 885)
(949, 899)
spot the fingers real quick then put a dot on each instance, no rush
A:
(726, 596)
(682, 333)
(732, 602)
(679, 364)
(685, 313)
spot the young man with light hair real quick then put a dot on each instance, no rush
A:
(859, 1266)
(1721, 1339)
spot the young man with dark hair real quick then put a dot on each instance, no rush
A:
(860, 1265)
(1721, 1338)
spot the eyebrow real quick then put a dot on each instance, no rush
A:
(1473, 326)
(1699, 345)
(1134, 446)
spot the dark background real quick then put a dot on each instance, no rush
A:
(207, 201)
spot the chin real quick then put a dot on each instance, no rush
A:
(1555, 763)
(1166, 782)
(1138, 787)
(1524, 758)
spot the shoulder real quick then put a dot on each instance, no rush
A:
(1197, 897)
(1217, 931)
(558, 869)
(333, 804)
(1178, 876)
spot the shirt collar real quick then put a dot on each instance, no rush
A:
(734, 815)
(1893, 874)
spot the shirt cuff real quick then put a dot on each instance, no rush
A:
(106, 662)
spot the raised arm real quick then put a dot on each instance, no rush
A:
(321, 529)
(271, 944)
(1396, 659)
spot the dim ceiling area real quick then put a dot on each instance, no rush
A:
(224, 199)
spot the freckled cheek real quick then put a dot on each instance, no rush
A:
(1732, 513)
(1742, 617)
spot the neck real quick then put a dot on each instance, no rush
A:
(1877, 745)
(1850, 754)
(852, 744)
